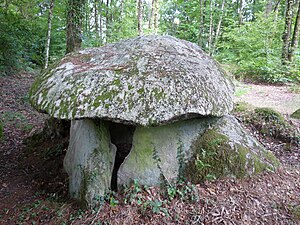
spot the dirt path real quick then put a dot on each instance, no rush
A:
(285, 99)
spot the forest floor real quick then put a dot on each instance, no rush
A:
(33, 184)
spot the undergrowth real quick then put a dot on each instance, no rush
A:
(268, 122)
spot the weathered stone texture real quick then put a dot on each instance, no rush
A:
(157, 152)
(148, 81)
(89, 160)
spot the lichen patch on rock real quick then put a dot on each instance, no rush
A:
(147, 81)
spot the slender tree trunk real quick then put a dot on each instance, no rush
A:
(295, 39)
(269, 7)
(96, 18)
(111, 19)
(210, 37)
(218, 27)
(121, 9)
(86, 27)
(107, 24)
(140, 17)
(50, 16)
(156, 16)
(201, 23)
(277, 6)
(286, 37)
(240, 11)
(74, 24)
(151, 15)
(100, 22)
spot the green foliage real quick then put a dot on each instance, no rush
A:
(187, 15)
(12, 33)
(23, 28)
(255, 47)
(185, 191)
(136, 194)
(120, 24)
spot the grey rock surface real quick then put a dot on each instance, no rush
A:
(148, 81)
(159, 152)
(89, 160)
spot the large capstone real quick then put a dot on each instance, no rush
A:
(148, 80)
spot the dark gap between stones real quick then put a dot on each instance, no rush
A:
(121, 136)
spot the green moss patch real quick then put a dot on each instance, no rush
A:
(268, 122)
(296, 212)
(269, 115)
(215, 156)
(296, 114)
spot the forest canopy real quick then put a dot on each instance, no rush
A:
(256, 40)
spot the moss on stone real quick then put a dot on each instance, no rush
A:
(141, 91)
(269, 115)
(268, 155)
(109, 95)
(296, 114)
(268, 122)
(215, 156)
(209, 156)
(158, 94)
(84, 188)
(117, 82)
(296, 212)
(146, 150)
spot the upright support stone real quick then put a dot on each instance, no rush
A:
(89, 160)
(157, 151)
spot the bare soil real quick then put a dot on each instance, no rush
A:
(33, 184)
(285, 99)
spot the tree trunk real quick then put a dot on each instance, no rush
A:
(49, 33)
(286, 37)
(156, 16)
(210, 37)
(140, 17)
(74, 24)
(218, 27)
(107, 24)
(121, 9)
(240, 11)
(269, 7)
(295, 39)
(151, 15)
(201, 24)
(100, 21)
(96, 18)
(277, 6)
